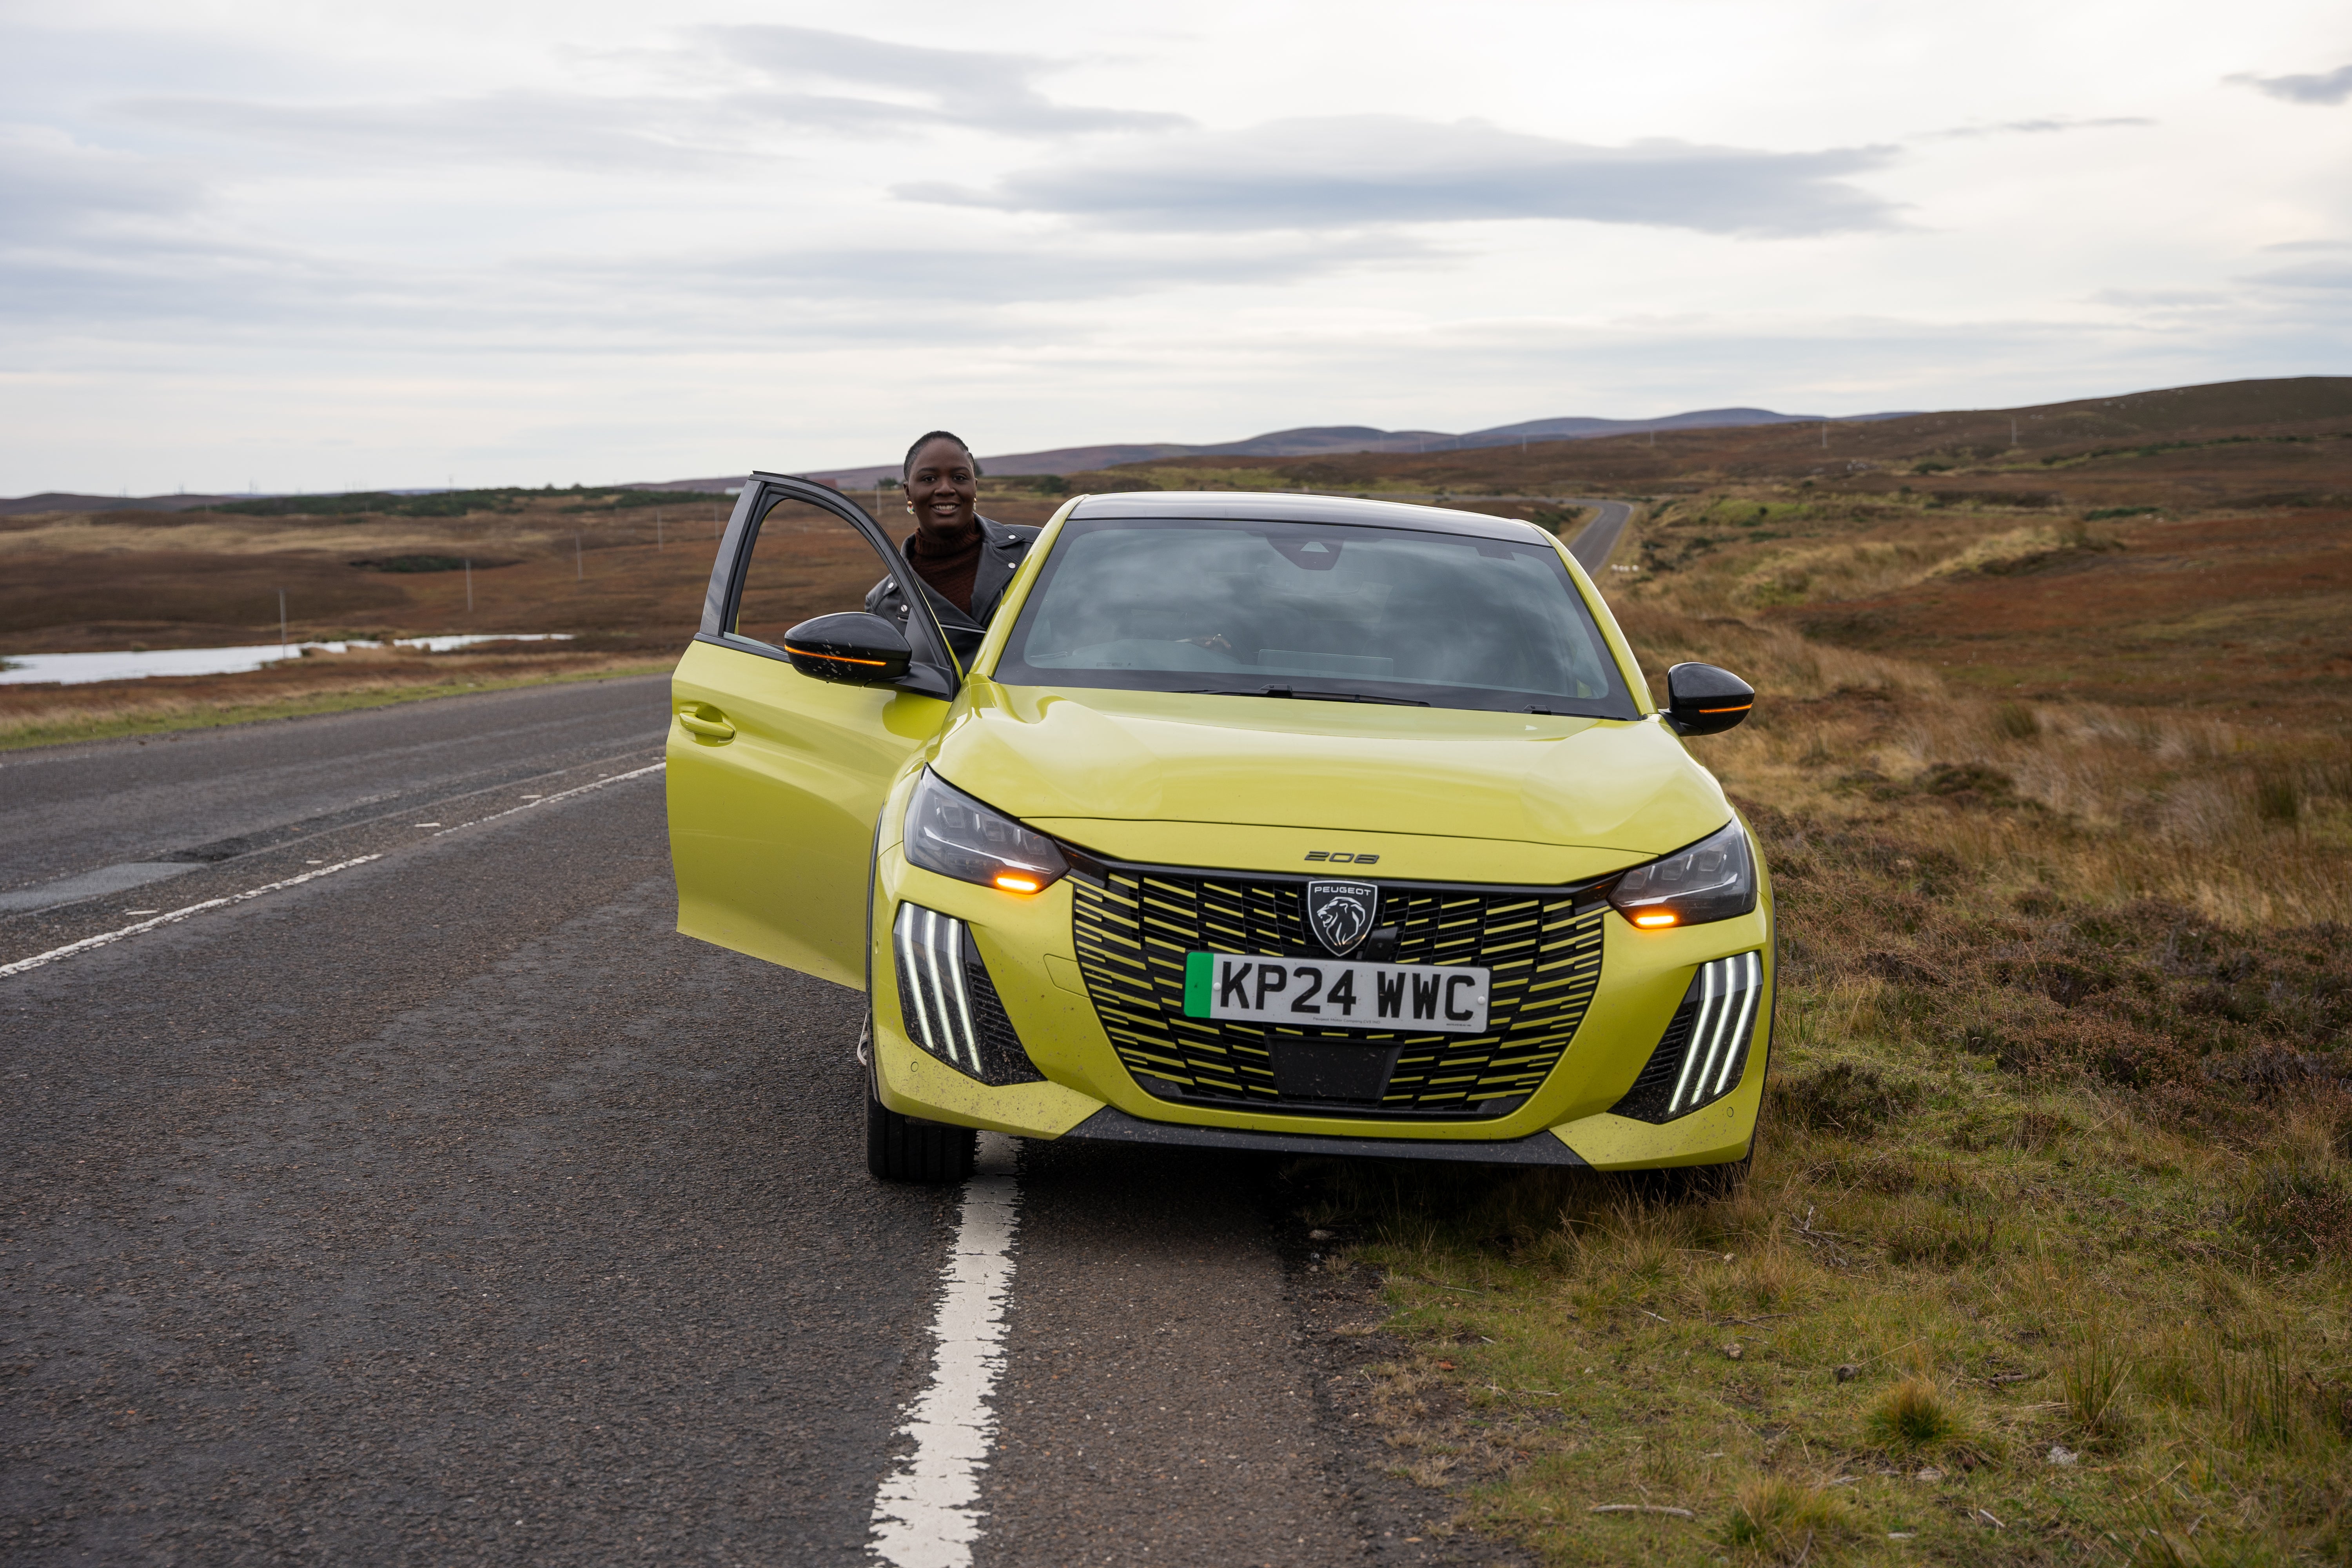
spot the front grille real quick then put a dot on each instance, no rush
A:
(1134, 924)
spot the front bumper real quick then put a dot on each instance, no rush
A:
(1084, 1090)
(1112, 1125)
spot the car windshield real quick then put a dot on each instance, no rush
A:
(1313, 610)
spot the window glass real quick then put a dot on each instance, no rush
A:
(1384, 614)
(804, 562)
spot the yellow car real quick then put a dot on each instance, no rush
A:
(1284, 822)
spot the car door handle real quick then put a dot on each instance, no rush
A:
(706, 722)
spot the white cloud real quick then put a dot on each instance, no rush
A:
(2040, 125)
(1364, 170)
(2325, 88)
(52, 184)
(730, 97)
(2309, 275)
(979, 89)
(564, 239)
(567, 131)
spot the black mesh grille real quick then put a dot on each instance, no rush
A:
(1133, 926)
(1002, 1058)
(1646, 1100)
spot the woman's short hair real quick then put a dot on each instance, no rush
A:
(907, 468)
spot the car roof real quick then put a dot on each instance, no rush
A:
(1262, 506)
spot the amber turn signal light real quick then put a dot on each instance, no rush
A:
(1657, 920)
(1013, 884)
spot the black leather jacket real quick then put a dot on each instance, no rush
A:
(1004, 546)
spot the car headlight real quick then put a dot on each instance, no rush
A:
(1714, 880)
(952, 834)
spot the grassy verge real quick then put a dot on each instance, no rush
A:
(2047, 1252)
(118, 713)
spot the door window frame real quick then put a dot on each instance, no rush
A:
(933, 670)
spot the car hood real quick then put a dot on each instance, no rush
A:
(1066, 756)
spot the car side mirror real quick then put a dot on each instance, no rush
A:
(1704, 701)
(853, 647)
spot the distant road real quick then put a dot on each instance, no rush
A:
(1593, 546)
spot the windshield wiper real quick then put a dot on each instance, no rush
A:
(1305, 696)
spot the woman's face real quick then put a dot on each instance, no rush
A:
(941, 489)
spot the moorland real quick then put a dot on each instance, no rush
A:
(2046, 1253)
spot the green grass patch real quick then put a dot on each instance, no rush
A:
(2017, 1276)
(108, 727)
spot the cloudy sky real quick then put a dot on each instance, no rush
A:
(304, 246)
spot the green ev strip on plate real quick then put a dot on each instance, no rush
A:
(1198, 981)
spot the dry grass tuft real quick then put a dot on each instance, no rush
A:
(1775, 1519)
(1844, 1097)
(2093, 1372)
(1914, 1416)
(2297, 1201)
(2202, 1544)
(2015, 721)
(2266, 1398)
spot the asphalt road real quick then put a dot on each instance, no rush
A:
(73, 814)
(1597, 540)
(449, 1206)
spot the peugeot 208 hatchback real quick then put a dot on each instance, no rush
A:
(1272, 822)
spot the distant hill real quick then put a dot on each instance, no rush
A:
(66, 501)
(2217, 407)
(2283, 442)
(1319, 440)
(70, 501)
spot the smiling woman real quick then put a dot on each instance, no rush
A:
(963, 560)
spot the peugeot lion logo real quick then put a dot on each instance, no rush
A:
(1341, 913)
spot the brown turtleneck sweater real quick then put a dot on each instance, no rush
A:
(949, 574)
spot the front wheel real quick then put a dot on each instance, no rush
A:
(901, 1148)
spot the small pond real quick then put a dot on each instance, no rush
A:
(74, 668)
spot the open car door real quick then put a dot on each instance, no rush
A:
(776, 778)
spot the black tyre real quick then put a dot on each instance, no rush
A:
(901, 1148)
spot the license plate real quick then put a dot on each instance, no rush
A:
(1336, 993)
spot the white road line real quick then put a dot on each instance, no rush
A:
(86, 943)
(552, 799)
(924, 1512)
